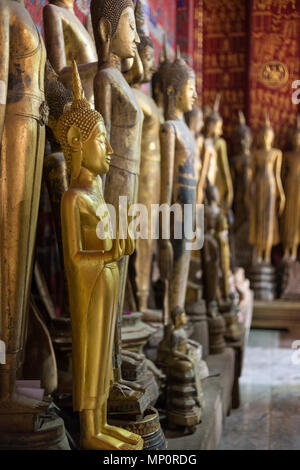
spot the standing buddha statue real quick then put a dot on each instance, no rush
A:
(91, 270)
(178, 178)
(66, 38)
(116, 38)
(290, 223)
(265, 190)
(149, 183)
(23, 114)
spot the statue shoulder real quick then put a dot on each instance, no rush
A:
(51, 11)
(103, 77)
(73, 198)
(168, 127)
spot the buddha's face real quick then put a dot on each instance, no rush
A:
(147, 58)
(268, 137)
(218, 130)
(96, 150)
(246, 142)
(126, 38)
(187, 96)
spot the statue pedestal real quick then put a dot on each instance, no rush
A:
(197, 324)
(276, 314)
(148, 427)
(48, 434)
(263, 281)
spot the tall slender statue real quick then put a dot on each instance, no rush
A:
(66, 38)
(290, 223)
(240, 170)
(219, 172)
(178, 178)
(149, 184)
(240, 163)
(265, 190)
(91, 270)
(116, 37)
(22, 135)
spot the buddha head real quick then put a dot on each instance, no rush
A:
(180, 86)
(114, 28)
(241, 138)
(213, 124)
(265, 136)
(145, 47)
(57, 96)
(160, 76)
(82, 134)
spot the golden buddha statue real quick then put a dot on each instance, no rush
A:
(218, 171)
(265, 189)
(116, 38)
(149, 184)
(23, 114)
(178, 179)
(66, 38)
(290, 223)
(91, 270)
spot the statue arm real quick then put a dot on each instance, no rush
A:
(54, 38)
(71, 229)
(4, 68)
(203, 174)
(167, 145)
(226, 172)
(279, 182)
(103, 98)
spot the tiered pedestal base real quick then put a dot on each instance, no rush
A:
(276, 314)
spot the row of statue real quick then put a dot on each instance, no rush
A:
(110, 138)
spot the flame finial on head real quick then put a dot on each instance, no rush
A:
(242, 119)
(217, 103)
(267, 120)
(164, 53)
(178, 53)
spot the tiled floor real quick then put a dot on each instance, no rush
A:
(269, 416)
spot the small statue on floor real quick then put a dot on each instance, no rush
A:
(184, 390)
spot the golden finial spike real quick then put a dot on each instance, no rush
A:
(242, 119)
(267, 121)
(298, 121)
(78, 93)
(217, 102)
(164, 52)
(178, 54)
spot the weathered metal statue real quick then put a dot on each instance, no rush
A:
(23, 113)
(149, 182)
(240, 163)
(178, 178)
(267, 201)
(91, 270)
(219, 172)
(290, 223)
(265, 190)
(116, 38)
(66, 39)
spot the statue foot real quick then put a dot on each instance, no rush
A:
(105, 442)
(132, 385)
(122, 434)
